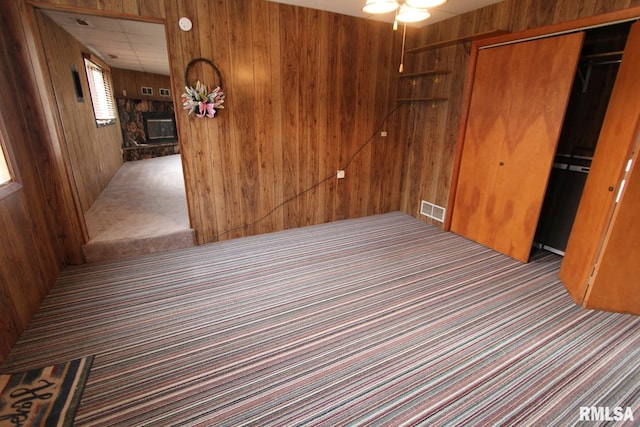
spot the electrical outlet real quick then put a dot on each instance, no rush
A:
(383, 133)
(340, 174)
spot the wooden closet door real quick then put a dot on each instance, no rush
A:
(616, 279)
(519, 97)
(618, 136)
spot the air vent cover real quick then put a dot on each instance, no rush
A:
(432, 211)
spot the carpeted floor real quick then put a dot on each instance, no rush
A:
(382, 320)
(143, 210)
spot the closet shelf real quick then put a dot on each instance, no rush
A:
(467, 38)
(423, 73)
(601, 56)
(421, 99)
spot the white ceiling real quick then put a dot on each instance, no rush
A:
(141, 46)
(121, 43)
(354, 8)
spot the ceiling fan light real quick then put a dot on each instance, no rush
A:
(424, 4)
(410, 14)
(380, 6)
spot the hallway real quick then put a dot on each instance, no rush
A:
(143, 210)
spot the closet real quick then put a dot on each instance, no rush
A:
(514, 125)
(596, 73)
(601, 267)
(520, 93)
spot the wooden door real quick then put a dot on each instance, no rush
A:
(616, 279)
(519, 97)
(615, 145)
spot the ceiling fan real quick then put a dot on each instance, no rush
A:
(406, 10)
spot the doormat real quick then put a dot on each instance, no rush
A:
(43, 397)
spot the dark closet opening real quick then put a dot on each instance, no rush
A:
(597, 70)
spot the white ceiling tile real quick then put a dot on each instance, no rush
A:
(146, 28)
(86, 33)
(144, 53)
(147, 39)
(115, 46)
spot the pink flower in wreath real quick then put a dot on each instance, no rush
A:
(206, 109)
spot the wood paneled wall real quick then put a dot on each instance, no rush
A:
(432, 132)
(95, 152)
(127, 84)
(39, 228)
(304, 91)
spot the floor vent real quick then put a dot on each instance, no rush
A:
(432, 211)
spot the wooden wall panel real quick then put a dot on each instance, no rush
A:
(145, 8)
(127, 84)
(428, 167)
(38, 223)
(304, 90)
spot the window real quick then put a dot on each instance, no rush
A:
(5, 173)
(100, 87)
(8, 184)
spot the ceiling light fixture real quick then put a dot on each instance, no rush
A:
(424, 4)
(411, 14)
(407, 10)
(380, 6)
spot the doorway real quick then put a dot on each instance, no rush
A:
(139, 207)
(596, 74)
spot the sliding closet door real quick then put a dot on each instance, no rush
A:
(588, 239)
(519, 97)
(616, 282)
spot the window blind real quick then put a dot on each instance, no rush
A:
(100, 87)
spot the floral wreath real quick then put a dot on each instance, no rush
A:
(201, 99)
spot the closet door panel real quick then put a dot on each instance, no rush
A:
(517, 107)
(487, 125)
(616, 283)
(615, 145)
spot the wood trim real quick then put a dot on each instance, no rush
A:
(75, 227)
(9, 188)
(457, 157)
(94, 12)
(96, 60)
(560, 28)
(450, 42)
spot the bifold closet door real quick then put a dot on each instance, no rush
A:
(601, 267)
(518, 101)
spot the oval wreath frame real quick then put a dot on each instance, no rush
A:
(202, 100)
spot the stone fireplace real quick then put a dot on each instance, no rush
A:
(148, 128)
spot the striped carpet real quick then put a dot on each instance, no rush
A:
(382, 320)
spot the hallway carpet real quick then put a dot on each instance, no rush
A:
(143, 210)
